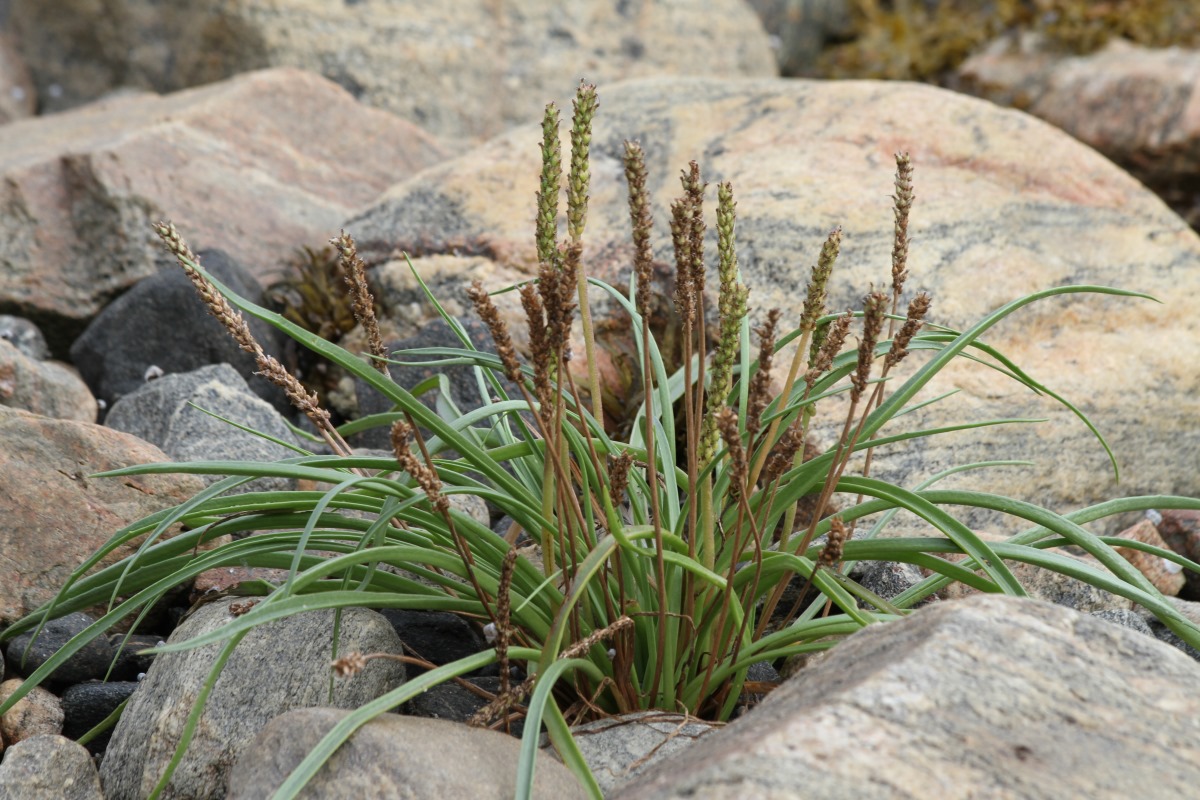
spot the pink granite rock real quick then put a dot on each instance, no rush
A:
(258, 166)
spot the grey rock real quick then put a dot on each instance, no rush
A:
(988, 697)
(619, 749)
(279, 666)
(161, 322)
(89, 662)
(464, 71)
(25, 336)
(888, 579)
(48, 388)
(1126, 618)
(164, 412)
(49, 767)
(394, 756)
(800, 29)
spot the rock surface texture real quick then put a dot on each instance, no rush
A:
(258, 165)
(48, 388)
(394, 756)
(464, 71)
(1138, 106)
(987, 697)
(277, 667)
(1006, 205)
(167, 413)
(55, 515)
(49, 767)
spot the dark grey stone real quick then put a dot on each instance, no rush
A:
(436, 636)
(86, 705)
(162, 323)
(90, 662)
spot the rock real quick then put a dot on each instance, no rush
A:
(49, 767)
(25, 336)
(1126, 618)
(48, 388)
(258, 166)
(1004, 202)
(888, 579)
(36, 714)
(89, 662)
(619, 749)
(1164, 634)
(464, 71)
(86, 705)
(55, 515)
(393, 756)
(17, 96)
(436, 636)
(996, 696)
(1045, 584)
(800, 29)
(452, 702)
(1136, 105)
(130, 664)
(1167, 576)
(164, 412)
(162, 327)
(1180, 529)
(279, 666)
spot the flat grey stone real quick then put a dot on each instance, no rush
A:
(280, 666)
(393, 756)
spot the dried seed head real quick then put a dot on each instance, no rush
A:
(835, 544)
(903, 203)
(618, 476)
(580, 177)
(694, 188)
(818, 283)
(681, 239)
(785, 452)
(639, 216)
(874, 311)
(727, 423)
(349, 665)
(831, 344)
(760, 384)
(361, 301)
(421, 472)
(236, 325)
(547, 197)
(490, 315)
(583, 645)
(917, 310)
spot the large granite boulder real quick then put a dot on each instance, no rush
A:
(988, 697)
(1006, 205)
(465, 70)
(258, 166)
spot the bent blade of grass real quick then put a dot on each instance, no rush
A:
(538, 703)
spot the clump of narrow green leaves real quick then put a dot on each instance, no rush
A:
(661, 560)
